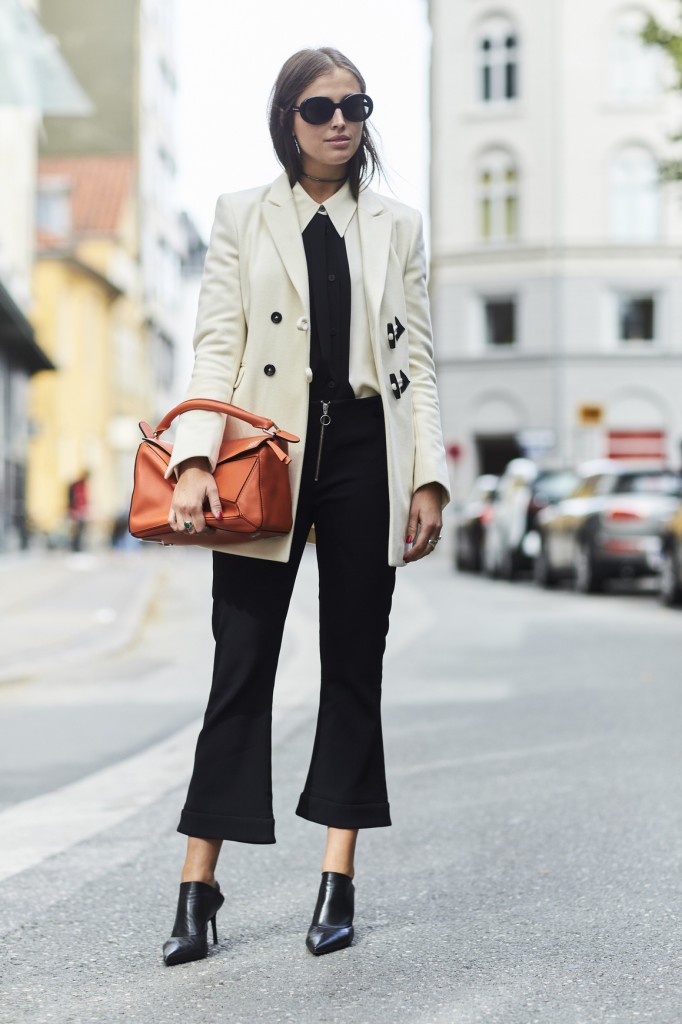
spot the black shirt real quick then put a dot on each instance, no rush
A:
(329, 283)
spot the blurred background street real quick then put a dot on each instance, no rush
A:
(532, 872)
(532, 683)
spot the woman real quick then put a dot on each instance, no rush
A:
(314, 312)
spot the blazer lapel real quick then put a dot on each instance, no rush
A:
(279, 211)
(376, 227)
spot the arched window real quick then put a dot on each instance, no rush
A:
(498, 197)
(633, 66)
(498, 61)
(634, 196)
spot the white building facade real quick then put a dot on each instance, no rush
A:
(34, 80)
(556, 273)
(161, 242)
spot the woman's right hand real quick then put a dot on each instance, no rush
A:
(196, 485)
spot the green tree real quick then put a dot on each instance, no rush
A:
(670, 42)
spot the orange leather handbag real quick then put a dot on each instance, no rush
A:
(251, 473)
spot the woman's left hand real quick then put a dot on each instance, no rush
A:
(425, 522)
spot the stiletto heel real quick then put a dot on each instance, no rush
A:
(198, 903)
(332, 925)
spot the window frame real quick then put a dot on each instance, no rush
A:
(634, 70)
(486, 302)
(623, 296)
(498, 62)
(630, 190)
(498, 201)
(53, 205)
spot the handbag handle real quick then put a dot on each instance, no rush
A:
(211, 405)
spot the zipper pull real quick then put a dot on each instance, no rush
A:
(325, 420)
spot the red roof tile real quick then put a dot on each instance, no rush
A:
(100, 187)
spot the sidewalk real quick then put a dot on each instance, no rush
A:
(65, 607)
(530, 876)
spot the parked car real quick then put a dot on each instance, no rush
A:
(471, 523)
(671, 560)
(511, 540)
(610, 525)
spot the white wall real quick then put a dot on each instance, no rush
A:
(565, 268)
(18, 154)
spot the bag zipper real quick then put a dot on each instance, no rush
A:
(325, 420)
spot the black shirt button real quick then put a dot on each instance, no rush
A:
(276, 318)
(332, 277)
(269, 370)
(331, 384)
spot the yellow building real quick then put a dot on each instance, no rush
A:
(89, 321)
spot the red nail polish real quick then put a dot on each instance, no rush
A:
(409, 540)
(219, 515)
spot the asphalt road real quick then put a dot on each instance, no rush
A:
(532, 873)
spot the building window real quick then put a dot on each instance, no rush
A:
(165, 361)
(633, 66)
(53, 207)
(636, 318)
(498, 61)
(634, 196)
(500, 321)
(498, 181)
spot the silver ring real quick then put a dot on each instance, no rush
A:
(188, 524)
(433, 542)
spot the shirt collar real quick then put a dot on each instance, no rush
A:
(340, 207)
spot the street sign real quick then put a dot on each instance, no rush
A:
(536, 439)
(637, 444)
(590, 414)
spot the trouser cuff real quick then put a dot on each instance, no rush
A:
(239, 830)
(326, 812)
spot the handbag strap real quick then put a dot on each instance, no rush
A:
(211, 405)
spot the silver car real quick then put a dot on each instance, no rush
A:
(511, 540)
(609, 527)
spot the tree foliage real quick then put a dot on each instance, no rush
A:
(670, 42)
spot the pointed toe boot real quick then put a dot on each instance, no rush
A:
(198, 903)
(332, 924)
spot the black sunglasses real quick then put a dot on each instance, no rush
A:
(320, 109)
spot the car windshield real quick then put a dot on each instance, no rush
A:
(649, 483)
(554, 486)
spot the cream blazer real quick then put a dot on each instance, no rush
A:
(252, 341)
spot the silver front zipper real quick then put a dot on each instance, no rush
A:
(325, 420)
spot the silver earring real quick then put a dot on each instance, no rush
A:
(298, 148)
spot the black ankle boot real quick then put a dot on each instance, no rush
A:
(332, 924)
(198, 903)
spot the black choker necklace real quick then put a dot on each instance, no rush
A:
(325, 180)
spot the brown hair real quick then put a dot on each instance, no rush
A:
(296, 75)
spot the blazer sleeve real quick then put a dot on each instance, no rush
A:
(430, 463)
(219, 340)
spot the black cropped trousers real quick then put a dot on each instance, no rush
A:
(230, 792)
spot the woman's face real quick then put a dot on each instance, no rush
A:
(327, 148)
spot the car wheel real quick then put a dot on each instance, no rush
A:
(509, 567)
(542, 570)
(671, 589)
(588, 580)
(491, 569)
